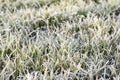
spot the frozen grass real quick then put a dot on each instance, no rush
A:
(59, 40)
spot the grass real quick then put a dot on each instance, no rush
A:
(59, 40)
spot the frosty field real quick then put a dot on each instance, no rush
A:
(59, 39)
